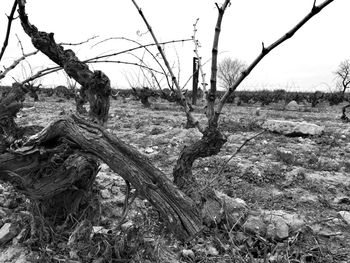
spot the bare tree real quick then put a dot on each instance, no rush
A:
(343, 75)
(229, 70)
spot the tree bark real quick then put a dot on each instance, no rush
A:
(57, 177)
(10, 105)
(176, 209)
(96, 84)
(210, 144)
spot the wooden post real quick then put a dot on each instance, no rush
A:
(195, 80)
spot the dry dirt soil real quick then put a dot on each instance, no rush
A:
(304, 176)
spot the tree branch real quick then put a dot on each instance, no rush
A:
(15, 63)
(315, 10)
(200, 66)
(184, 102)
(10, 19)
(214, 63)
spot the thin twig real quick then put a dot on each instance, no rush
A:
(216, 177)
(10, 19)
(184, 102)
(141, 46)
(15, 63)
(199, 58)
(20, 44)
(79, 43)
(135, 48)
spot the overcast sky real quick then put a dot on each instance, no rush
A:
(306, 62)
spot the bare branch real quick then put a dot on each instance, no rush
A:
(217, 176)
(184, 102)
(214, 61)
(196, 51)
(79, 43)
(20, 44)
(10, 19)
(15, 63)
(135, 48)
(147, 49)
(266, 50)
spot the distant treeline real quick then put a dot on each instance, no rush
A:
(264, 97)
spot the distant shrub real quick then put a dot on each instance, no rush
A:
(335, 98)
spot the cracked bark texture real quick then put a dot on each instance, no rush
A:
(94, 83)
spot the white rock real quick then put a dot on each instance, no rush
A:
(293, 128)
(254, 224)
(285, 155)
(294, 221)
(293, 105)
(7, 232)
(345, 215)
(187, 253)
(339, 200)
(99, 230)
(257, 112)
(104, 167)
(212, 251)
(127, 225)
(105, 194)
(149, 150)
(278, 229)
(232, 204)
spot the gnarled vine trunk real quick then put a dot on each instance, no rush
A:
(210, 144)
(94, 83)
(72, 136)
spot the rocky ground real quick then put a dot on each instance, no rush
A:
(287, 195)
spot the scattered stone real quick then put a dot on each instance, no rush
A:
(105, 194)
(99, 230)
(342, 200)
(294, 221)
(257, 112)
(11, 204)
(328, 164)
(285, 155)
(187, 253)
(156, 130)
(119, 199)
(7, 232)
(212, 251)
(292, 106)
(235, 208)
(127, 225)
(115, 189)
(3, 213)
(104, 167)
(149, 150)
(254, 224)
(345, 215)
(16, 254)
(277, 230)
(291, 128)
